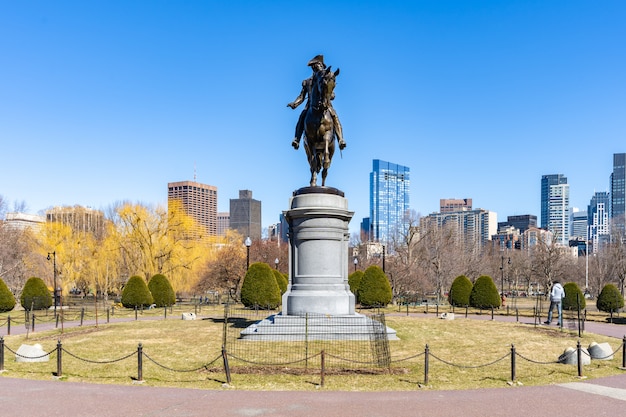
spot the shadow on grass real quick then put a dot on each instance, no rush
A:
(236, 322)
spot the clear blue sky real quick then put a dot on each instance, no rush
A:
(102, 101)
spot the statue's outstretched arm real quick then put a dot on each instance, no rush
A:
(300, 99)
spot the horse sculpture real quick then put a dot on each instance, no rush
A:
(319, 128)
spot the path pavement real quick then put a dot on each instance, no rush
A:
(598, 397)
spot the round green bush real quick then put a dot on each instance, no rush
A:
(610, 299)
(354, 280)
(163, 294)
(460, 291)
(7, 300)
(569, 302)
(281, 280)
(259, 287)
(484, 294)
(374, 289)
(136, 293)
(35, 295)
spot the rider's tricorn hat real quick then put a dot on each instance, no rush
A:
(318, 58)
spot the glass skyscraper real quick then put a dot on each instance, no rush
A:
(618, 191)
(389, 199)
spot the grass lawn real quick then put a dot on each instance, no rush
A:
(458, 350)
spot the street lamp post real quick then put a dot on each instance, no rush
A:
(502, 271)
(276, 263)
(356, 262)
(248, 243)
(383, 258)
(54, 274)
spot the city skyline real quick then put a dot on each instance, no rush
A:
(107, 102)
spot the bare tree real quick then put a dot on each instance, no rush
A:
(225, 271)
(548, 259)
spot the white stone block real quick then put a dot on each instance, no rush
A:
(447, 316)
(600, 351)
(570, 357)
(189, 316)
(31, 353)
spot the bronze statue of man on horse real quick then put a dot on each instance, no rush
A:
(318, 121)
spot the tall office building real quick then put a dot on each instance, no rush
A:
(521, 222)
(199, 201)
(80, 219)
(578, 224)
(450, 205)
(389, 199)
(599, 197)
(555, 206)
(245, 215)
(618, 191)
(223, 223)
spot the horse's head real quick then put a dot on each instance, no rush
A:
(324, 86)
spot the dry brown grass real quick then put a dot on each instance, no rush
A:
(465, 345)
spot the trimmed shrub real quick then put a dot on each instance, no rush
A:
(484, 294)
(136, 293)
(259, 287)
(281, 280)
(163, 294)
(610, 299)
(460, 291)
(7, 300)
(569, 302)
(35, 294)
(354, 280)
(374, 289)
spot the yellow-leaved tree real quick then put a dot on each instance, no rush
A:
(160, 241)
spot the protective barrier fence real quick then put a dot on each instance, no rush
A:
(322, 355)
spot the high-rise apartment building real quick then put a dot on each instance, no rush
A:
(618, 191)
(389, 199)
(598, 219)
(555, 206)
(245, 215)
(198, 201)
(474, 228)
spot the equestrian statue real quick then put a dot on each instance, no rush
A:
(318, 120)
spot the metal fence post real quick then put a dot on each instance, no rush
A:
(1, 354)
(426, 353)
(139, 363)
(624, 352)
(226, 366)
(59, 359)
(512, 363)
(82, 316)
(323, 365)
(33, 322)
(579, 357)
(9, 326)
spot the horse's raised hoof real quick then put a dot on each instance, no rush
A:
(342, 145)
(295, 144)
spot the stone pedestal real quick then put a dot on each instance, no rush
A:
(318, 304)
(318, 253)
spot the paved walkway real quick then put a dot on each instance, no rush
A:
(598, 397)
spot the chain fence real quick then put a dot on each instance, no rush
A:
(310, 344)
